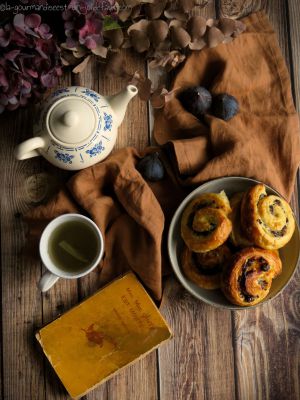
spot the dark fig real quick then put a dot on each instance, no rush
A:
(225, 106)
(151, 167)
(196, 100)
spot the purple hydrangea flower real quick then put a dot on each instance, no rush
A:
(84, 22)
(29, 61)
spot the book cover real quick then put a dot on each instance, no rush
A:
(108, 331)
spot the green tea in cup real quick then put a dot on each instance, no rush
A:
(73, 246)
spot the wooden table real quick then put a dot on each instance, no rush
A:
(215, 354)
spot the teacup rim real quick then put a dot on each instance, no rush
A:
(46, 258)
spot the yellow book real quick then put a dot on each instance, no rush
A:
(110, 330)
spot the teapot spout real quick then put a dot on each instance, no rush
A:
(119, 102)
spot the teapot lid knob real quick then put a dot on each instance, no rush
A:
(70, 118)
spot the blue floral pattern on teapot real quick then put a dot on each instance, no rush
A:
(95, 150)
(108, 121)
(64, 157)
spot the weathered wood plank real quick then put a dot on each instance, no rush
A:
(137, 382)
(23, 374)
(264, 361)
(198, 362)
(265, 339)
(277, 13)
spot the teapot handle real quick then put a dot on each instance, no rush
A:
(29, 148)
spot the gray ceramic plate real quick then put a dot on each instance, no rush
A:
(289, 254)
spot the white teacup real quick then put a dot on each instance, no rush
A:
(53, 273)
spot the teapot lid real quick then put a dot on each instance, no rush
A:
(71, 120)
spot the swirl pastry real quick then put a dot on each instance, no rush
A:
(237, 236)
(213, 200)
(205, 269)
(267, 220)
(248, 279)
(204, 224)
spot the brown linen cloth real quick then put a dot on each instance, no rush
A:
(262, 141)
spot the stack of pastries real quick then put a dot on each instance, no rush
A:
(233, 245)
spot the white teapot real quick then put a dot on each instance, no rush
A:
(76, 127)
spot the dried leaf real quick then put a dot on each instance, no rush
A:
(212, 22)
(115, 65)
(196, 27)
(139, 41)
(67, 58)
(126, 44)
(227, 26)
(115, 37)
(136, 11)
(143, 85)
(157, 99)
(197, 44)
(228, 39)
(163, 46)
(177, 23)
(186, 5)
(157, 31)
(135, 78)
(138, 35)
(179, 37)
(176, 59)
(155, 10)
(64, 61)
(80, 67)
(240, 27)
(124, 14)
(80, 51)
(65, 46)
(169, 60)
(141, 26)
(144, 88)
(161, 96)
(100, 51)
(214, 37)
(156, 62)
(176, 14)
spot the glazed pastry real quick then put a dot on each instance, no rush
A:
(205, 224)
(204, 269)
(212, 200)
(237, 236)
(267, 220)
(248, 279)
